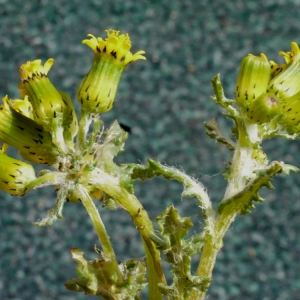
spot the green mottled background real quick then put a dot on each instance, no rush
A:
(165, 101)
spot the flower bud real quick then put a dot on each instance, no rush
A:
(32, 141)
(253, 78)
(15, 175)
(45, 99)
(97, 91)
(264, 108)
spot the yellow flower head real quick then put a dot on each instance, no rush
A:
(96, 93)
(31, 69)
(116, 45)
(48, 104)
(285, 82)
(294, 55)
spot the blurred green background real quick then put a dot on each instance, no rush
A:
(165, 101)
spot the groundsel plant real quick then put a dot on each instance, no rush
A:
(79, 155)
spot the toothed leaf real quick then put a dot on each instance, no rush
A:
(213, 131)
(220, 98)
(242, 202)
(111, 147)
(178, 252)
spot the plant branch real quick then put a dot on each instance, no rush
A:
(240, 172)
(87, 201)
(84, 124)
(192, 188)
(111, 186)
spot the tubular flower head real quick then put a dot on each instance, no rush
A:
(15, 175)
(253, 78)
(97, 91)
(286, 86)
(32, 141)
(286, 83)
(46, 101)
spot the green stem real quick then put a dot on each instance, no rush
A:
(49, 178)
(153, 279)
(242, 163)
(84, 125)
(93, 212)
(241, 169)
(210, 251)
(58, 137)
(111, 186)
(93, 136)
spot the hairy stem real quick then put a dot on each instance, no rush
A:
(84, 124)
(93, 212)
(241, 170)
(49, 178)
(58, 138)
(111, 186)
(93, 135)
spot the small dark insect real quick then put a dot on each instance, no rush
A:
(125, 127)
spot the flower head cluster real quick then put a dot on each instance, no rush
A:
(43, 123)
(266, 91)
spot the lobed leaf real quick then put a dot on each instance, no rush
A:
(192, 188)
(242, 202)
(178, 252)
